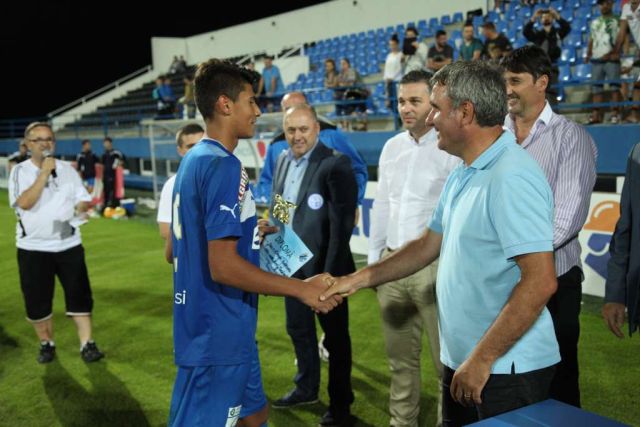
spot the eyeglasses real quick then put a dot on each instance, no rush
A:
(39, 140)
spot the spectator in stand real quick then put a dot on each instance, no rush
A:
(440, 54)
(471, 48)
(174, 65)
(548, 38)
(86, 165)
(188, 101)
(604, 54)
(350, 80)
(493, 38)
(414, 52)
(19, 156)
(110, 160)
(271, 84)
(181, 66)
(630, 21)
(330, 74)
(164, 97)
(392, 73)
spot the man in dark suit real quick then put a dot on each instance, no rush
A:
(323, 187)
(623, 282)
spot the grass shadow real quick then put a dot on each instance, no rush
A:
(109, 403)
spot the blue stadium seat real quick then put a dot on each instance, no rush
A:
(445, 20)
(564, 74)
(582, 72)
(574, 39)
(458, 17)
(493, 16)
(433, 22)
(580, 24)
(573, 4)
(477, 21)
(557, 5)
(567, 14)
(568, 55)
(422, 23)
(583, 12)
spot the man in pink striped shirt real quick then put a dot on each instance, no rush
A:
(567, 155)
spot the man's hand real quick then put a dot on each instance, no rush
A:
(48, 165)
(265, 228)
(344, 286)
(469, 380)
(613, 314)
(315, 287)
(554, 13)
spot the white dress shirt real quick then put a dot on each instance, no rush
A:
(410, 178)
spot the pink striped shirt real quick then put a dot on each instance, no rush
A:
(567, 155)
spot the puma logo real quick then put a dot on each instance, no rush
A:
(228, 209)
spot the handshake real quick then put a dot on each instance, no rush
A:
(323, 292)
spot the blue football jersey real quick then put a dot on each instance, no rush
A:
(213, 324)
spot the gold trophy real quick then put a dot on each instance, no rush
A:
(281, 209)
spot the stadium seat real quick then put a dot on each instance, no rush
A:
(567, 14)
(564, 74)
(493, 16)
(582, 72)
(574, 39)
(568, 55)
(445, 20)
(433, 22)
(458, 17)
(583, 12)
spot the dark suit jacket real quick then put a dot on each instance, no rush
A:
(623, 281)
(325, 229)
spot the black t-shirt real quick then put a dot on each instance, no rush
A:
(86, 164)
(501, 41)
(110, 161)
(439, 56)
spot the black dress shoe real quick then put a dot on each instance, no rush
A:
(294, 398)
(336, 419)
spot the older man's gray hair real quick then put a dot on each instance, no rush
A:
(479, 83)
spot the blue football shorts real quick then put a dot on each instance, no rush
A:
(217, 395)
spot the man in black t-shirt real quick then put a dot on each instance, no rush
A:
(493, 38)
(441, 53)
(86, 164)
(110, 160)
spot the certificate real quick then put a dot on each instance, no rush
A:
(283, 252)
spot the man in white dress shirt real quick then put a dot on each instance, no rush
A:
(187, 137)
(411, 174)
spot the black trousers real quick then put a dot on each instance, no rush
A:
(502, 393)
(110, 200)
(301, 327)
(564, 307)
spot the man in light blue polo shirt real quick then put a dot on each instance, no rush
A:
(493, 233)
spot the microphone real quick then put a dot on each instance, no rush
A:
(47, 153)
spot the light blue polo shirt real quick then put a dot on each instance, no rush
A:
(497, 208)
